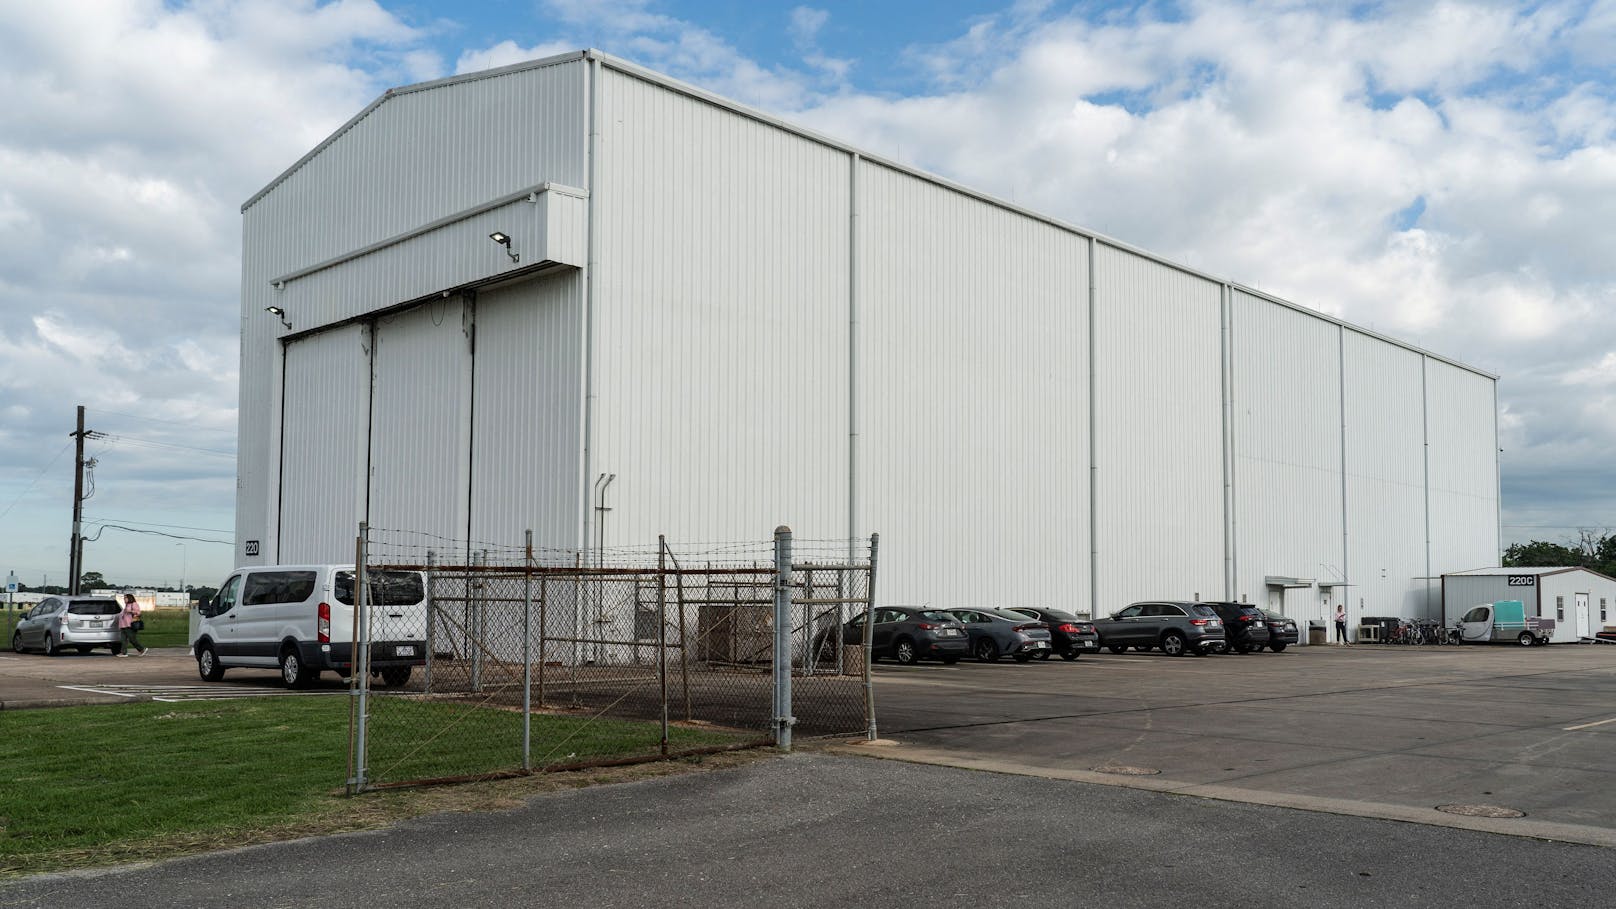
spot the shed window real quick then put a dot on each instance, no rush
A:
(1603, 617)
(1559, 609)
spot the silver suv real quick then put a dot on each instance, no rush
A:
(1176, 626)
(82, 623)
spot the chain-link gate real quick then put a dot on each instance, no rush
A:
(487, 660)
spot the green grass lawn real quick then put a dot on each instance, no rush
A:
(166, 627)
(88, 786)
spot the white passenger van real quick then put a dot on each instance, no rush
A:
(300, 619)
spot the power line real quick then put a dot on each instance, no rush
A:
(156, 420)
(36, 479)
(159, 533)
(156, 444)
(100, 520)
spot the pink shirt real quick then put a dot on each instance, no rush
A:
(131, 611)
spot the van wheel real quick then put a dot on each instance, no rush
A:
(207, 664)
(396, 676)
(293, 673)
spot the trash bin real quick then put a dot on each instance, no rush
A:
(1315, 632)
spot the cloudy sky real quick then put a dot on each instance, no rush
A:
(1442, 172)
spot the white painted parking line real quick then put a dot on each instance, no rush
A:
(1590, 725)
(121, 694)
(174, 693)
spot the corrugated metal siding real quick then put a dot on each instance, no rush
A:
(1287, 446)
(526, 441)
(721, 322)
(423, 155)
(974, 398)
(1159, 431)
(327, 392)
(451, 256)
(1463, 468)
(1385, 478)
(418, 157)
(419, 409)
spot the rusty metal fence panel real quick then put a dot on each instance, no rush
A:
(489, 659)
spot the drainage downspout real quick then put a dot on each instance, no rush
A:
(1425, 432)
(592, 90)
(1094, 505)
(1341, 379)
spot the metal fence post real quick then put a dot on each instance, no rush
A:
(662, 632)
(474, 618)
(431, 617)
(359, 661)
(782, 638)
(527, 651)
(869, 636)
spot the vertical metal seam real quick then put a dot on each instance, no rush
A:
(852, 351)
(1226, 366)
(1341, 382)
(1094, 502)
(468, 312)
(1425, 433)
(370, 415)
(280, 470)
(1498, 481)
(591, 90)
(1234, 463)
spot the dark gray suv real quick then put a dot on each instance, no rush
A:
(1176, 626)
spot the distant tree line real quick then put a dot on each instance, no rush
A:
(95, 580)
(1590, 550)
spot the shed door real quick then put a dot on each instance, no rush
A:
(1583, 630)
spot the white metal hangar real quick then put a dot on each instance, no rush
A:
(489, 290)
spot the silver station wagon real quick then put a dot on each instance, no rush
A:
(57, 623)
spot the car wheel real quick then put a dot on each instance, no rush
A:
(1526, 639)
(293, 673)
(1043, 654)
(396, 676)
(903, 650)
(1115, 648)
(1173, 644)
(1070, 655)
(50, 646)
(987, 651)
(207, 664)
(1277, 648)
(16, 642)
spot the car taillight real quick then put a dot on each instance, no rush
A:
(323, 626)
(1031, 626)
(1068, 627)
(1199, 621)
(1247, 618)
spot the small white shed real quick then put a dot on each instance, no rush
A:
(1578, 599)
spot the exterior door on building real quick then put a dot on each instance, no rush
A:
(1583, 630)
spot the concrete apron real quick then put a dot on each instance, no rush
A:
(888, 749)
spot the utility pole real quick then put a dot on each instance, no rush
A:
(75, 550)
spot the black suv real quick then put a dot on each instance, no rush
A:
(1244, 626)
(909, 634)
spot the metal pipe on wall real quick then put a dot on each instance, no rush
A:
(1094, 538)
(592, 90)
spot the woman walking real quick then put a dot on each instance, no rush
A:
(1341, 623)
(127, 621)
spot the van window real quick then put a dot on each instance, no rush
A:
(277, 587)
(387, 588)
(225, 599)
(1475, 615)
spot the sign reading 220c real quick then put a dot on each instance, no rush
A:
(1523, 580)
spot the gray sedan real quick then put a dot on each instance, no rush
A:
(994, 632)
(82, 623)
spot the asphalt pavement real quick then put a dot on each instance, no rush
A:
(830, 830)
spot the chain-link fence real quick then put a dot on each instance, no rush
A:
(486, 659)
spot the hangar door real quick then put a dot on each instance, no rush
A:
(419, 423)
(324, 412)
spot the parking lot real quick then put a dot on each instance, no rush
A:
(1386, 732)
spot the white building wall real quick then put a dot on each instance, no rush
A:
(323, 451)
(416, 155)
(419, 411)
(720, 322)
(1462, 591)
(1287, 410)
(526, 444)
(1461, 411)
(1385, 476)
(973, 366)
(1567, 585)
(1158, 432)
